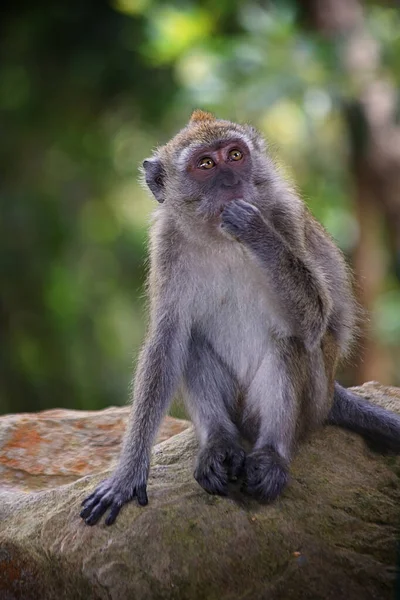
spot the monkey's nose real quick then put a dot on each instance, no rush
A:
(231, 184)
(230, 180)
(227, 177)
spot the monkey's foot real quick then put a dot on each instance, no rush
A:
(111, 494)
(217, 464)
(266, 474)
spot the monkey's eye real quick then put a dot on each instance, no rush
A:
(235, 154)
(206, 163)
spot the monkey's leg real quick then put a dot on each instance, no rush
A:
(210, 395)
(275, 396)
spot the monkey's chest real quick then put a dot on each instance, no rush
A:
(237, 317)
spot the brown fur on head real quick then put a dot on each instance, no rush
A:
(202, 128)
(198, 116)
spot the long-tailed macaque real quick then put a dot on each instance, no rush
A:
(251, 309)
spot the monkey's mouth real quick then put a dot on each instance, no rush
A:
(222, 202)
(212, 209)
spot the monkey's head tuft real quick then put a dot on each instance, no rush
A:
(199, 116)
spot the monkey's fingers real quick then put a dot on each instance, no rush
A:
(214, 486)
(88, 498)
(89, 506)
(212, 482)
(142, 495)
(118, 504)
(98, 510)
(114, 512)
(266, 475)
(238, 216)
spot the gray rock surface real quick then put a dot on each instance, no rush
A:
(332, 535)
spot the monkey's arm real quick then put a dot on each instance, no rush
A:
(297, 284)
(159, 369)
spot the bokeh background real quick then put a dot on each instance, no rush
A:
(89, 87)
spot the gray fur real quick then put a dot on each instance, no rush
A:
(211, 392)
(251, 308)
(380, 427)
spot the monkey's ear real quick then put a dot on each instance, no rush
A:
(199, 116)
(154, 175)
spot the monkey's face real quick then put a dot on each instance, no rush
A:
(207, 165)
(216, 174)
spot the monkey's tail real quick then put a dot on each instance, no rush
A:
(379, 427)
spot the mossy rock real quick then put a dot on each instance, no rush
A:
(332, 535)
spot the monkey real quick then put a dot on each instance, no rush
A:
(251, 308)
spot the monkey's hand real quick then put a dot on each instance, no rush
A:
(240, 219)
(112, 493)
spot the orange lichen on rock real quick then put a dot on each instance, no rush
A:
(57, 446)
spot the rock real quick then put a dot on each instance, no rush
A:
(332, 535)
(53, 447)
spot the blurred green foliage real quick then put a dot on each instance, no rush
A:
(86, 90)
